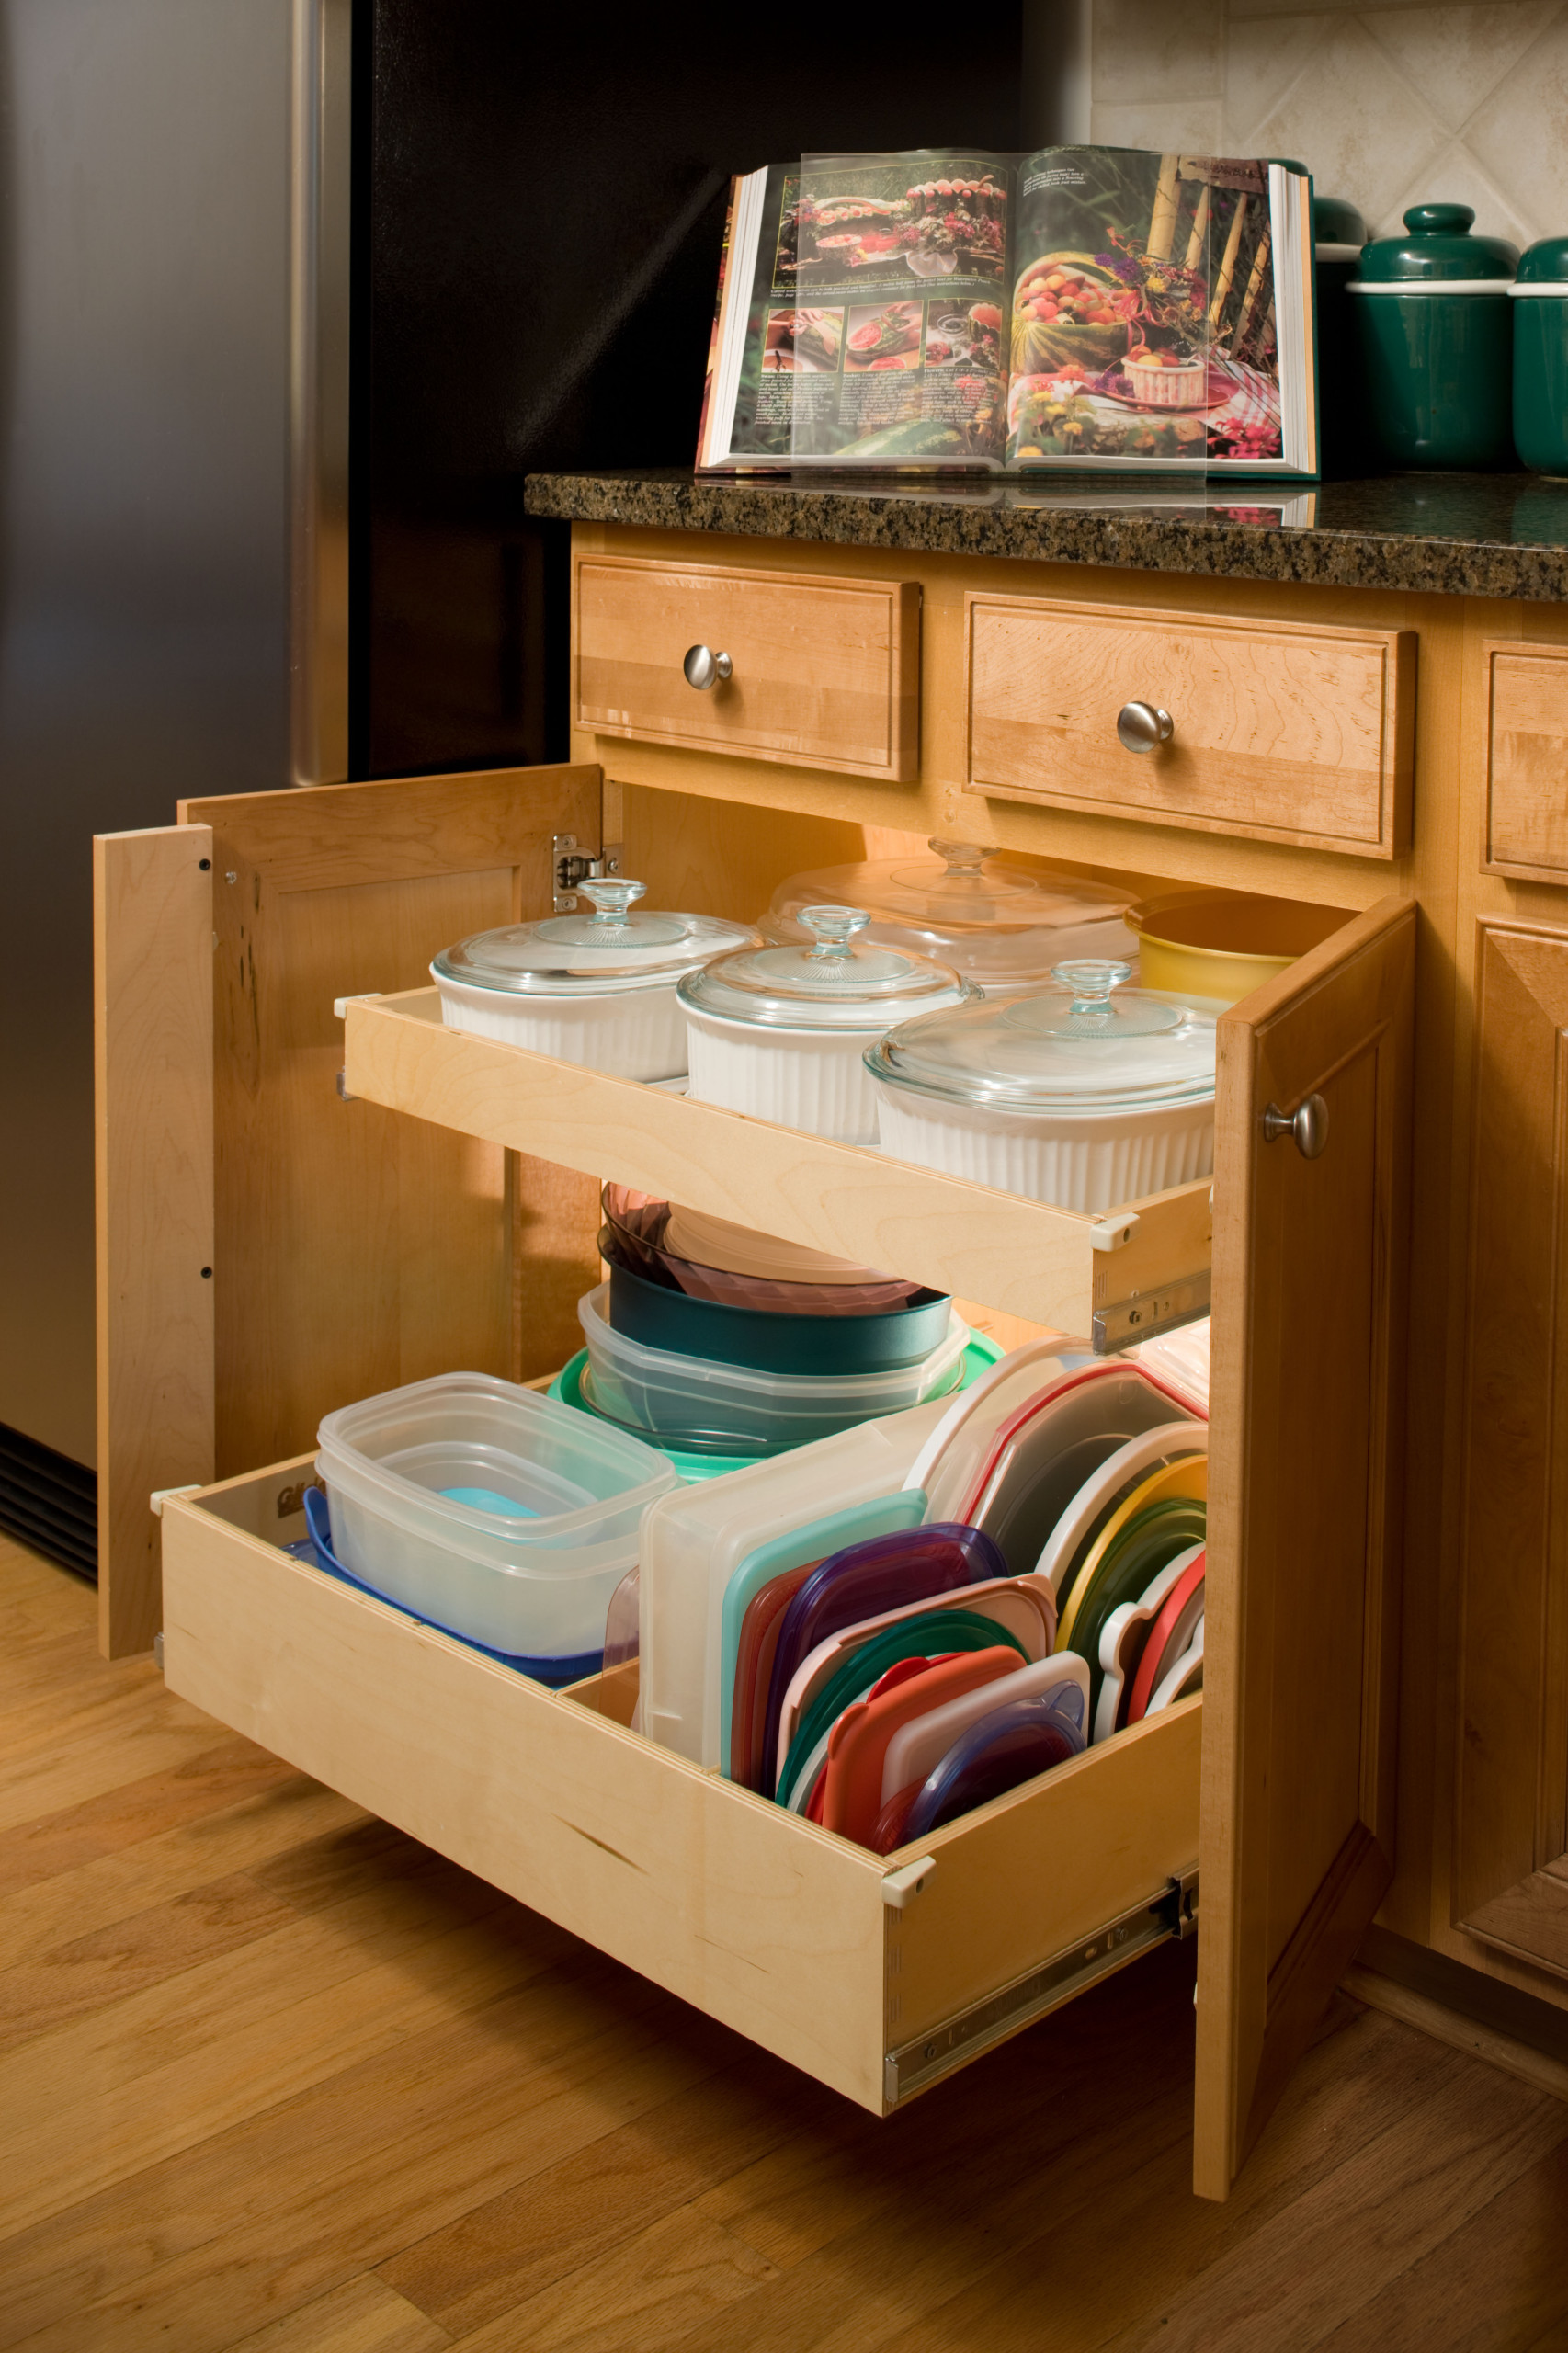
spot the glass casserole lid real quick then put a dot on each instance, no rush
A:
(835, 984)
(615, 946)
(1078, 1047)
(1000, 923)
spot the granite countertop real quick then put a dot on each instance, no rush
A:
(1462, 534)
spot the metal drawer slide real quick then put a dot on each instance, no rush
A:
(917, 2066)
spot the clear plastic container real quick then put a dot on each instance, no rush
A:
(493, 1510)
(1000, 922)
(597, 989)
(731, 1409)
(695, 1542)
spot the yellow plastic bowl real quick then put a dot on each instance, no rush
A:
(1224, 944)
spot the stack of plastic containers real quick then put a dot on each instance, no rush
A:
(488, 1510)
(731, 1359)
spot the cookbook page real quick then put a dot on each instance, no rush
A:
(1110, 332)
(883, 335)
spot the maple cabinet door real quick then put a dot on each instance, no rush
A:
(1511, 1869)
(1311, 1191)
(346, 1249)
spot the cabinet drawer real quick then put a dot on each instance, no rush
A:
(1526, 762)
(823, 672)
(1280, 731)
(791, 1934)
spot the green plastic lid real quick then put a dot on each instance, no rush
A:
(1437, 248)
(1545, 263)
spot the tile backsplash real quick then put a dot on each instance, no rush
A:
(1388, 104)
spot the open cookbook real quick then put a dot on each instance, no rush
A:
(1089, 309)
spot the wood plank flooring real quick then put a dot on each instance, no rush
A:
(273, 2079)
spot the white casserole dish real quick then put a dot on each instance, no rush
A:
(597, 989)
(780, 1033)
(1061, 1096)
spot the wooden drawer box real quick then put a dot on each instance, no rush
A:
(824, 673)
(1526, 762)
(818, 1950)
(788, 1933)
(1282, 731)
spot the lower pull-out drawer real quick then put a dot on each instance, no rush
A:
(875, 1974)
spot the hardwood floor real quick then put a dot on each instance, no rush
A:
(273, 2079)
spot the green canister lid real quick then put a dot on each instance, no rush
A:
(1439, 250)
(1337, 222)
(1545, 263)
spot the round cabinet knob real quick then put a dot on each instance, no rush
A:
(1139, 725)
(704, 668)
(1307, 1126)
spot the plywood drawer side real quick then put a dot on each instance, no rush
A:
(1283, 731)
(767, 1923)
(1526, 762)
(826, 672)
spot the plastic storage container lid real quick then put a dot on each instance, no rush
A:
(1075, 1046)
(836, 985)
(1438, 251)
(590, 954)
(1544, 264)
(996, 923)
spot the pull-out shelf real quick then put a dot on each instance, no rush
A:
(1123, 1275)
(875, 1974)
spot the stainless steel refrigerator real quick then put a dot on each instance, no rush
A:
(293, 294)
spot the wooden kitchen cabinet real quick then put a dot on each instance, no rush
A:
(437, 1206)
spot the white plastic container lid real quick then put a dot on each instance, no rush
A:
(999, 924)
(600, 954)
(1075, 1046)
(834, 984)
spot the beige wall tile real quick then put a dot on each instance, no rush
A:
(1265, 58)
(1390, 104)
(1353, 120)
(1519, 134)
(1455, 177)
(1157, 49)
(1191, 124)
(1454, 57)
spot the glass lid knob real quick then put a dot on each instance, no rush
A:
(1091, 980)
(833, 931)
(1091, 1010)
(611, 923)
(612, 899)
(962, 859)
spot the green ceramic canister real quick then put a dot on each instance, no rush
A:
(1338, 235)
(1540, 357)
(1435, 340)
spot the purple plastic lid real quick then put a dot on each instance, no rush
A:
(866, 1580)
(1011, 1745)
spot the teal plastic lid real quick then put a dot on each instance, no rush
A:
(1545, 263)
(1437, 248)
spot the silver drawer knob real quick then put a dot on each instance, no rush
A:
(1307, 1126)
(1139, 725)
(704, 668)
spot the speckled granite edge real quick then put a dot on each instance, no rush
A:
(1221, 548)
